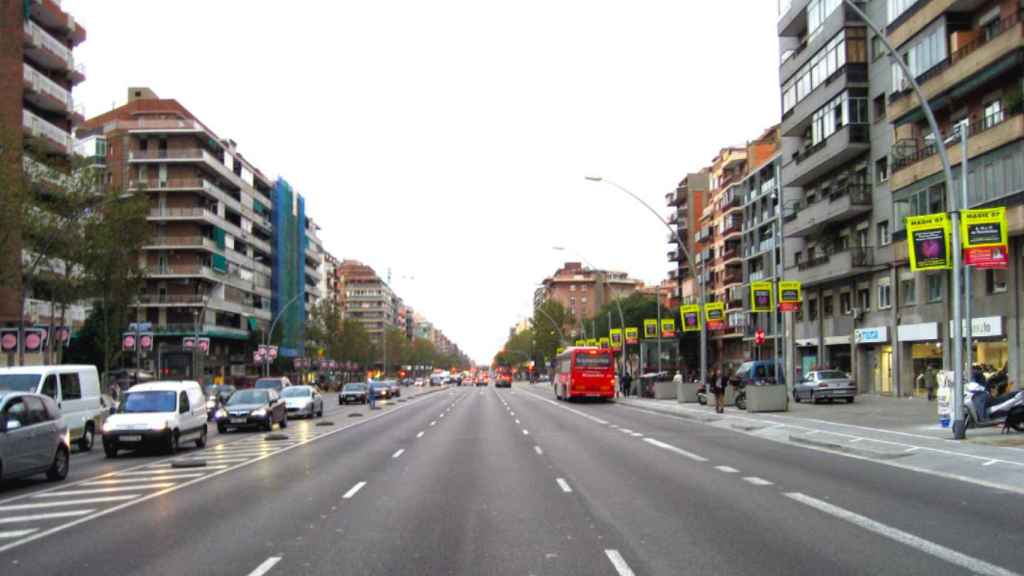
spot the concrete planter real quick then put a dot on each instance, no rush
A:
(772, 398)
(686, 391)
(665, 390)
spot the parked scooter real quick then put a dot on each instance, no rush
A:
(702, 395)
(984, 411)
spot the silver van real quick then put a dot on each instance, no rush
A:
(76, 390)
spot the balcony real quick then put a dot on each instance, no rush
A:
(731, 252)
(673, 256)
(45, 93)
(798, 119)
(985, 135)
(671, 238)
(671, 199)
(731, 226)
(833, 265)
(844, 203)
(732, 277)
(181, 214)
(181, 242)
(813, 163)
(165, 156)
(971, 64)
(55, 137)
(673, 218)
(170, 300)
(42, 48)
(792, 17)
(176, 271)
(916, 19)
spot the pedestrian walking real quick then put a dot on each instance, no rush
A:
(371, 396)
(625, 383)
(931, 381)
(718, 383)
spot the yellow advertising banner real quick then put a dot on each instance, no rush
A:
(986, 245)
(651, 328)
(591, 341)
(761, 296)
(615, 334)
(690, 313)
(714, 315)
(928, 241)
(581, 342)
(790, 295)
(668, 328)
(603, 342)
(558, 351)
(632, 335)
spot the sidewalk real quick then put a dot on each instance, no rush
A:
(902, 432)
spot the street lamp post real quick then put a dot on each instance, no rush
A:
(686, 253)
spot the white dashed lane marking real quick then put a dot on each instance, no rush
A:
(419, 435)
(563, 485)
(353, 490)
(672, 448)
(265, 566)
(757, 481)
(538, 450)
(727, 469)
(16, 533)
(619, 563)
(398, 453)
(526, 432)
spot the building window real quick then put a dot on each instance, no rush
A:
(864, 299)
(879, 104)
(845, 303)
(572, 288)
(995, 281)
(812, 309)
(882, 169)
(829, 310)
(908, 291)
(883, 233)
(935, 287)
(884, 295)
(993, 114)
(843, 110)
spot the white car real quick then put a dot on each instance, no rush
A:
(75, 388)
(157, 413)
(303, 401)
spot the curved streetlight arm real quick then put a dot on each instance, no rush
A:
(280, 313)
(561, 335)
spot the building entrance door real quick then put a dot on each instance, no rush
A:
(883, 371)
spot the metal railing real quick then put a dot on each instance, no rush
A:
(859, 257)
(44, 39)
(180, 213)
(170, 299)
(859, 134)
(902, 158)
(40, 127)
(41, 83)
(165, 154)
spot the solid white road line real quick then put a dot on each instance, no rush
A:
(398, 453)
(16, 533)
(513, 413)
(672, 448)
(538, 450)
(969, 563)
(352, 491)
(46, 516)
(563, 485)
(265, 566)
(420, 434)
(727, 469)
(637, 435)
(79, 502)
(619, 563)
(625, 430)
(757, 481)
(103, 490)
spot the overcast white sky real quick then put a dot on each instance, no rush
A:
(448, 139)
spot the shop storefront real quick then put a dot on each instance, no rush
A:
(838, 353)
(807, 355)
(991, 349)
(921, 346)
(875, 372)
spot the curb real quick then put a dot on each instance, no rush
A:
(703, 418)
(840, 447)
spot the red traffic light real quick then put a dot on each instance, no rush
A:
(759, 336)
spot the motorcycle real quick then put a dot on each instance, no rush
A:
(984, 411)
(702, 395)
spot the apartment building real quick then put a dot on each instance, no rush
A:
(367, 298)
(836, 193)
(231, 248)
(686, 205)
(584, 291)
(967, 57)
(39, 72)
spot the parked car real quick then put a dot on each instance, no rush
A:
(755, 372)
(33, 437)
(275, 383)
(303, 401)
(253, 407)
(418, 382)
(162, 413)
(354, 393)
(824, 385)
(76, 390)
(437, 379)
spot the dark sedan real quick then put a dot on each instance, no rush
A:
(253, 409)
(352, 394)
(380, 390)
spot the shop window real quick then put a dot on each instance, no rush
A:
(845, 304)
(908, 291)
(884, 295)
(829, 309)
(995, 281)
(935, 287)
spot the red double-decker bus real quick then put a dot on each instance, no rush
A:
(584, 373)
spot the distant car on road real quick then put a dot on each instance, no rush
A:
(824, 385)
(354, 393)
(394, 388)
(257, 407)
(303, 401)
(380, 390)
(503, 381)
(33, 437)
(277, 383)
(418, 382)
(483, 379)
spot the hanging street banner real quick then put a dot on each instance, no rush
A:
(615, 335)
(35, 339)
(761, 296)
(604, 343)
(581, 342)
(128, 342)
(592, 342)
(668, 328)
(984, 234)
(790, 296)
(690, 313)
(929, 242)
(714, 315)
(632, 335)
(9, 340)
(650, 328)
(146, 341)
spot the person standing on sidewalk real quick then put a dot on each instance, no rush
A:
(625, 381)
(371, 396)
(931, 381)
(718, 383)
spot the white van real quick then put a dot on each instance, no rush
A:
(75, 388)
(157, 413)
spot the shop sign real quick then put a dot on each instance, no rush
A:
(985, 238)
(615, 335)
(789, 295)
(990, 327)
(837, 340)
(632, 335)
(668, 328)
(650, 328)
(928, 242)
(761, 296)
(875, 335)
(9, 340)
(690, 313)
(918, 332)
(714, 315)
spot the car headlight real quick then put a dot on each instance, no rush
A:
(260, 412)
(222, 413)
(158, 426)
(107, 427)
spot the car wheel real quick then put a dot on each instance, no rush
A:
(849, 400)
(284, 421)
(59, 468)
(172, 442)
(201, 441)
(340, 403)
(222, 429)
(110, 450)
(741, 403)
(88, 438)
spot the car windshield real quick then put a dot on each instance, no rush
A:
(268, 384)
(143, 401)
(19, 382)
(354, 388)
(297, 392)
(831, 375)
(249, 397)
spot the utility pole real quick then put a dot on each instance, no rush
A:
(964, 129)
(657, 300)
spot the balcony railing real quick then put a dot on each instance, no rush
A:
(176, 154)
(47, 42)
(180, 213)
(44, 85)
(859, 133)
(859, 257)
(171, 299)
(181, 241)
(734, 278)
(905, 155)
(60, 138)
